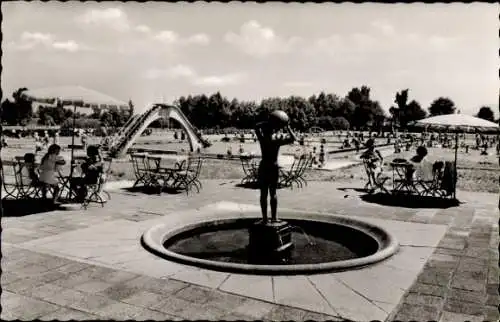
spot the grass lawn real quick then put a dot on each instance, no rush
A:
(475, 172)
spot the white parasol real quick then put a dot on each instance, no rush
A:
(456, 123)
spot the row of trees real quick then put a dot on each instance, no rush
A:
(357, 110)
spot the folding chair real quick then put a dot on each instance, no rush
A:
(10, 180)
(373, 182)
(188, 178)
(29, 187)
(95, 191)
(433, 187)
(249, 170)
(141, 170)
(296, 172)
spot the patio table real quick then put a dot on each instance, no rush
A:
(402, 178)
(165, 173)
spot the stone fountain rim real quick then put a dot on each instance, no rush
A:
(154, 238)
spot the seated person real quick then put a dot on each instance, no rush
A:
(422, 167)
(373, 157)
(92, 170)
(29, 172)
(49, 167)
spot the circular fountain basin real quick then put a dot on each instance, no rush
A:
(322, 243)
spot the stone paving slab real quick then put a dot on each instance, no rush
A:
(116, 244)
(448, 286)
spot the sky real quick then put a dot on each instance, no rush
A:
(156, 52)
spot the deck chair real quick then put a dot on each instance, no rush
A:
(96, 192)
(374, 183)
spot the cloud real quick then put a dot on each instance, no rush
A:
(36, 37)
(297, 84)
(441, 42)
(222, 80)
(114, 18)
(170, 37)
(69, 45)
(143, 28)
(363, 43)
(330, 45)
(167, 36)
(178, 71)
(31, 40)
(181, 71)
(199, 39)
(259, 41)
(384, 27)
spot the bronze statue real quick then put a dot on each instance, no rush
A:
(268, 175)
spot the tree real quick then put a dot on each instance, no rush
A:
(301, 112)
(442, 106)
(367, 113)
(340, 123)
(19, 111)
(54, 115)
(414, 112)
(405, 112)
(401, 101)
(486, 113)
(130, 107)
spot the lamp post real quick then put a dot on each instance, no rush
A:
(72, 166)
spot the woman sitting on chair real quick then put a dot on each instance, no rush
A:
(421, 165)
(49, 170)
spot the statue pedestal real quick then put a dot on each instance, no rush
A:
(270, 243)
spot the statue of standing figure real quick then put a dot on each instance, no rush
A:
(268, 175)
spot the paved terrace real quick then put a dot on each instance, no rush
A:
(89, 264)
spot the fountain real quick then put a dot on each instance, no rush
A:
(301, 242)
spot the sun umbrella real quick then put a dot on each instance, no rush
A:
(456, 123)
(72, 95)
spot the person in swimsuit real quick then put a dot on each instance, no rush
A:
(268, 175)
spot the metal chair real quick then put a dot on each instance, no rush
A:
(374, 182)
(249, 169)
(296, 172)
(30, 187)
(189, 177)
(95, 191)
(433, 187)
(10, 179)
(141, 169)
